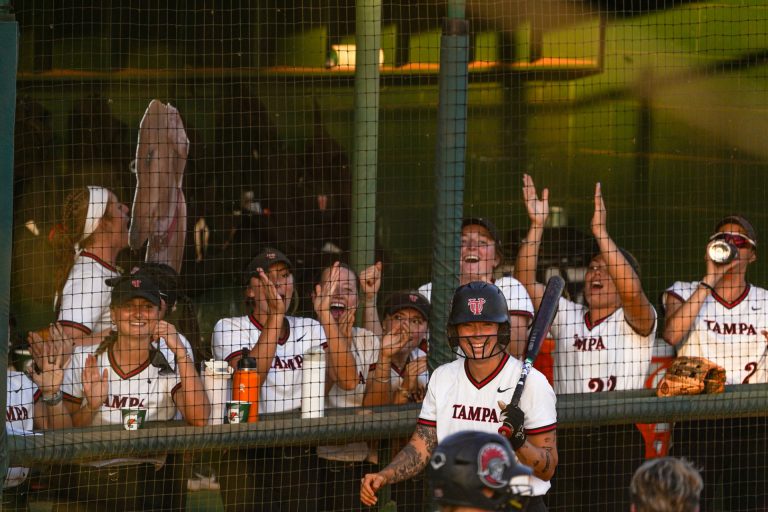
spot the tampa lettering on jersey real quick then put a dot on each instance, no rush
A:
(587, 344)
(730, 328)
(16, 413)
(292, 363)
(120, 402)
(472, 413)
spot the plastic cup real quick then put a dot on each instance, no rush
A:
(237, 411)
(133, 418)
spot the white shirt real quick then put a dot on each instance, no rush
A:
(518, 300)
(85, 299)
(455, 402)
(602, 355)
(21, 395)
(397, 374)
(282, 389)
(145, 387)
(728, 334)
(365, 349)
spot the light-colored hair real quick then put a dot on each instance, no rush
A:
(666, 484)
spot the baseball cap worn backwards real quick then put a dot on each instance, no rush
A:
(264, 260)
(749, 230)
(408, 299)
(137, 285)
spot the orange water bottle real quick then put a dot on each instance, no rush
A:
(245, 386)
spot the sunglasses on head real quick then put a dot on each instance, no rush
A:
(737, 239)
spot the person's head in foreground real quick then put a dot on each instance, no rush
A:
(478, 323)
(665, 484)
(472, 471)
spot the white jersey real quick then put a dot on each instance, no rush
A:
(282, 389)
(85, 299)
(598, 355)
(455, 402)
(397, 374)
(365, 349)
(21, 395)
(518, 300)
(145, 386)
(729, 334)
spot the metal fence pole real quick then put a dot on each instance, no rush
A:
(9, 34)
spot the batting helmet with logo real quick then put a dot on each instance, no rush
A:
(479, 301)
(477, 469)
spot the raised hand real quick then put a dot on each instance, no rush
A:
(346, 322)
(325, 291)
(538, 209)
(394, 340)
(275, 302)
(370, 280)
(49, 361)
(168, 332)
(95, 383)
(411, 377)
(599, 218)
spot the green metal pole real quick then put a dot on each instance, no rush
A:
(366, 132)
(9, 40)
(449, 177)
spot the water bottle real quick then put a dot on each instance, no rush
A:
(245, 386)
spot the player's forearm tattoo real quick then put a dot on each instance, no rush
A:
(548, 460)
(429, 436)
(410, 461)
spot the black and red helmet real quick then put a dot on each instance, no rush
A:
(465, 466)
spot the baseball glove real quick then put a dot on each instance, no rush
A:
(692, 376)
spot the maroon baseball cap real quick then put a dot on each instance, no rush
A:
(398, 301)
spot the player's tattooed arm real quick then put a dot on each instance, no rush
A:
(540, 453)
(414, 456)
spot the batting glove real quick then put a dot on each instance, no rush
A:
(513, 419)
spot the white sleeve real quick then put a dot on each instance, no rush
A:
(83, 300)
(72, 384)
(428, 414)
(228, 340)
(680, 289)
(564, 317)
(518, 300)
(538, 402)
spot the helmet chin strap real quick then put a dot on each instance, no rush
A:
(494, 353)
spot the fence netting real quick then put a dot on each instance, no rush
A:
(225, 212)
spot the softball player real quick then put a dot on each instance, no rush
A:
(123, 372)
(724, 318)
(93, 230)
(480, 255)
(470, 394)
(605, 346)
(278, 343)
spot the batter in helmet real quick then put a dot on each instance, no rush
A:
(477, 470)
(475, 308)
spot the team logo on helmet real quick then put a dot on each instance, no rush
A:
(492, 463)
(136, 283)
(476, 305)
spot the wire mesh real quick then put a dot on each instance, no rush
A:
(220, 139)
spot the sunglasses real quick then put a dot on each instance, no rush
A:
(737, 239)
